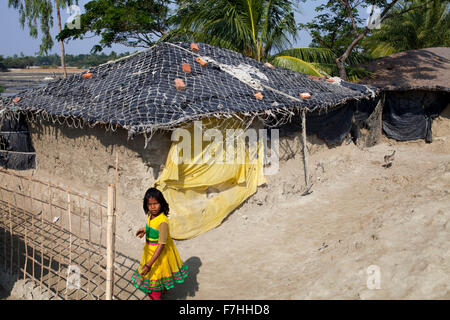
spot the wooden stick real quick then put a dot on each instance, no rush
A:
(116, 178)
(10, 234)
(12, 223)
(4, 241)
(26, 253)
(23, 189)
(50, 209)
(50, 202)
(42, 246)
(90, 247)
(33, 247)
(110, 244)
(101, 223)
(305, 156)
(29, 191)
(80, 218)
(3, 214)
(69, 213)
(59, 255)
(49, 272)
(80, 237)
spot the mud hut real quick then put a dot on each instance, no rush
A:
(130, 107)
(416, 88)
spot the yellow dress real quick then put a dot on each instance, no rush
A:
(168, 269)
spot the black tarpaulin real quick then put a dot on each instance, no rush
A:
(16, 150)
(409, 115)
(335, 125)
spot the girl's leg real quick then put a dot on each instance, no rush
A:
(154, 295)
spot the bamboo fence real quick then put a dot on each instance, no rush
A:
(59, 238)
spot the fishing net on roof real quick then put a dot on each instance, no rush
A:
(138, 92)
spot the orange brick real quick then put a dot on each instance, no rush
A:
(179, 84)
(202, 62)
(258, 95)
(16, 99)
(305, 95)
(87, 75)
(186, 68)
(329, 80)
(194, 47)
(313, 77)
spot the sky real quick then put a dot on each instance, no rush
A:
(16, 40)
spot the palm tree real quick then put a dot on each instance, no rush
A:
(254, 28)
(320, 61)
(427, 26)
(40, 12)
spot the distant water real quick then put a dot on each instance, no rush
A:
(12, 91)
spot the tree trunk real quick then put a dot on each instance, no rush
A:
(340, 62)
(341, 68)
(63, 60)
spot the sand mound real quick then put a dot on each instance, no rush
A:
(361, 218)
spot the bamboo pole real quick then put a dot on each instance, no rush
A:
(13, 218)
(79, 235)
(42, 246)
(69, 213)
(116, 177)
(90, 246)
(3, 214)
(53, 249)
(31, 198)
(50, 202)
(101, 223)
(59, 254)
(4, 241)
(10, 233)
(305, 151)
(26, 253)
(33, 247)
(110, 244)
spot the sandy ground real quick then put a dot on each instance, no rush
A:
(362, 221)
(359, 218)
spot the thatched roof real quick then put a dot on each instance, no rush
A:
(139, 94)
(427, 69)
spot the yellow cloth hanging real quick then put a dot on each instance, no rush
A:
(202, 193)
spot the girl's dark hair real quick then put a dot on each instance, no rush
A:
(156, 194)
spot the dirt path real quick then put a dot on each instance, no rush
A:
(321, 246)
(360, 217)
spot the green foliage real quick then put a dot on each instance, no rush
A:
(2, 66)
(332, 28)
(38, 15)
(133, 23)
(79, 61)
(296, 64)
(427, 26)
(252, 27)
(322, 61)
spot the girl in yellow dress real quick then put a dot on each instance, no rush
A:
(160, 267)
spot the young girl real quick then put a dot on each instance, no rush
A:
(160, 265)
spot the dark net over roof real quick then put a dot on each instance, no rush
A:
(138, 92)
